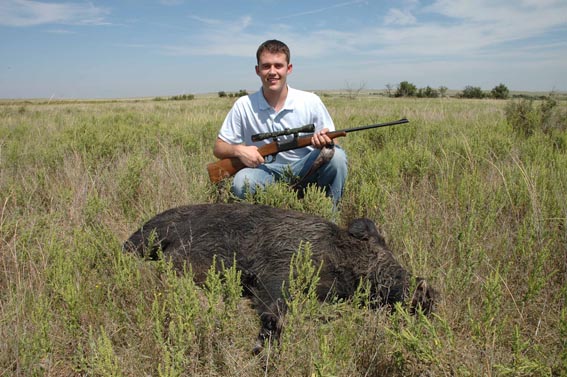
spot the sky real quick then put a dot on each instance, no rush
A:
(140, 48)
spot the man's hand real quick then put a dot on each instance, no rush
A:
(249, 155)
(320, 139)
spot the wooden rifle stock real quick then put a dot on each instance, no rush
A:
(227, 167)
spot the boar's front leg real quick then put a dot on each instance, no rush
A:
(271, 307)
(272, 323)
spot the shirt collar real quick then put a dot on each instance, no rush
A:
(288, 105)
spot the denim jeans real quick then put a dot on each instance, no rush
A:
(330, 176)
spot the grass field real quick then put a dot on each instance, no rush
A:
(462, 197)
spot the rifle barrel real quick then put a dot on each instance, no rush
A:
(377, 125)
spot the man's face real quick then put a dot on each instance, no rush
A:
(273, 70)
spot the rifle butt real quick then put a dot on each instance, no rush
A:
(223, 169)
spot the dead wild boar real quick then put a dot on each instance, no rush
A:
(262, 240)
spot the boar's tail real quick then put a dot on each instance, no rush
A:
(423, 298)
(145, 244)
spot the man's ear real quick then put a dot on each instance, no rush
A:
(289, 68)
(257, 70)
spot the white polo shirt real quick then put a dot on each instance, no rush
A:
(252, 114)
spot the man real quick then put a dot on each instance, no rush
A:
(276, 107)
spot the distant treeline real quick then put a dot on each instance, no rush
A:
(403, 89)
(240, 93)
(407, 89)
(186, 97)
(180, 97)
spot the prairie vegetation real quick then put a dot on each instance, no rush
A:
(464, 195)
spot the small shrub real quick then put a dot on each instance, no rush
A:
(241, 93)
(406, 89)
(525, 117)
(522, 117)
(427, 92)
(182, 97)
(500, 92)
(553, 117)
(472, 92)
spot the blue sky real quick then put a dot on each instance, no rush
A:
(138, 48)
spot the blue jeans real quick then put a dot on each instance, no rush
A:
(330, 176)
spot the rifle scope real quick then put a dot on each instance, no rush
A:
(288, 131)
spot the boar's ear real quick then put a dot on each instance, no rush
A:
(423, 298)
(365, 229)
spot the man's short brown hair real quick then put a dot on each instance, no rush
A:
(273, 46)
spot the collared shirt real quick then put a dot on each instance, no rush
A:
(252, 114)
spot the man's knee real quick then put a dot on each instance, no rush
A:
(339, 161)
(247, 179)
(241, 183)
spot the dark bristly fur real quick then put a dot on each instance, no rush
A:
(262, 240)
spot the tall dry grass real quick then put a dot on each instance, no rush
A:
(461, 197)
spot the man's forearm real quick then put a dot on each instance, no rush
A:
(223, 149)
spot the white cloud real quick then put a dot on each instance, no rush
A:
(519, 16)
(322, 10)
(236, 26)
(469, 28)
(399, 17)
(60, 31)
(219, 37)
(207, 21)
(29, 13)
(469, 41)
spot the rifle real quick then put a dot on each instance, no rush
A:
(227, 167)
